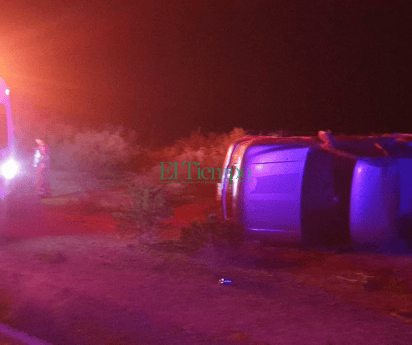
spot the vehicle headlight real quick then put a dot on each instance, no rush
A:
(10, 169)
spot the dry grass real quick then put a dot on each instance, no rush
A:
(376, 281)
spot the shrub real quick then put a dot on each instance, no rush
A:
(92, 150)
(105, 148)
(208, 150)
(147, 205)
(214, 231)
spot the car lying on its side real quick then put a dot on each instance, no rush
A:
(321, 189)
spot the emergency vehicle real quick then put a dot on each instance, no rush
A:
(9, 165)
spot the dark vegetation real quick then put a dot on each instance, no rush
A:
(111, 157)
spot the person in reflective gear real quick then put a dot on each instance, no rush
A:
(42, 165)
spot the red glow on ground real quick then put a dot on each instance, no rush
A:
(183, 216)
(76, 219)
(54, 221)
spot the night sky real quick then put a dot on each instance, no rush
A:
(165, 68)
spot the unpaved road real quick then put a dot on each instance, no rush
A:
(68, 279)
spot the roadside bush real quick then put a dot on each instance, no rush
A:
(208, 150)
(214, 231)
(147, 205)
(109, 146)
(101, 149)
(93, 150)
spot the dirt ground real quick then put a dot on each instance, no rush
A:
(69, 277)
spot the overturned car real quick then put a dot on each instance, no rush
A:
(321, 189)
